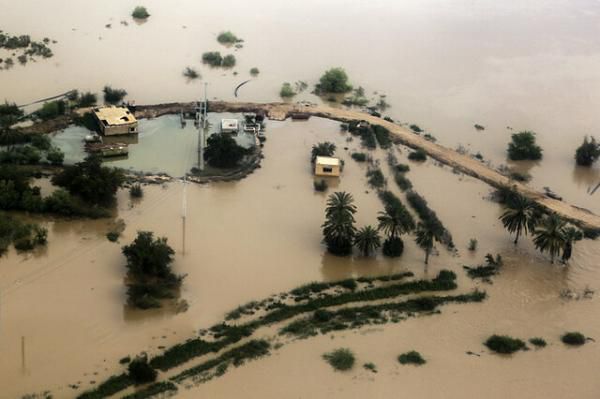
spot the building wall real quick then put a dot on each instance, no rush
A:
(120, 129)
(327, 170)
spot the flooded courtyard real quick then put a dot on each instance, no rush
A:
(63, 318)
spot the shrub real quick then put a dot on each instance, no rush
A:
(254, 71)
(415, 128)
(504, 344)
(41, 142)
(340, 359)
(140, 13)
(55, 156)
(222, 151)
(573, 338)
(402, 167)
(112, 236)
(191, 73)
(359, 156)
(393, 247)
(472, 244)
(383, 136)
(412, 357)
(228, 61)
(334, 80)
(320, 185)
(375, 178)
(287, 90)
(212, 58)
(136, 191)
(51, 110)
(403, 182)
(522, 177)
(113, 96)
(419, 155)
(537, 341)
(227, 38)
(370, 366)
(140, 371)
(523, 147)
(588, 152)
(87, 99)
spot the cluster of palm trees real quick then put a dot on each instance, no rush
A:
(551, 233)
(340, 235)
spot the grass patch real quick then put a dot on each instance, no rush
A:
(504, 344)
(340, 359)
(573, 338)
(412, 357)
(538, 342)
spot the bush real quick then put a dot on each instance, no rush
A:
(227, 38)
(415, 128)
(412, 357)
(55, 156)
(588, 152)
(113, 96)
(402, 167)
(228, 61)
(376, 178)
(254, 71)
(112, 236)
(191, 73)
(383, 136)
(212, 58)
(359, 156)
(472, 244)
(140, 371)
(320, 185)
(335, 80)
(370, 366)
(504, 344)
(136, 191)
(403, 182)
(87, 99)
(140, 13)
(51, 110)
(419, 155)
(340, 359)
(287, 90)
(41, 142)
(523, 147)
(222, 151)
(537, 341)
(393, 247)
(573, 338)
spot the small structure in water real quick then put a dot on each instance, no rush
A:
(230, 126)
(108, 150)
(116, 120)
(327, 166)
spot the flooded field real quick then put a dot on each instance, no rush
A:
(443, 65)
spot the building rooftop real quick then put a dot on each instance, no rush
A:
(114, 116)
(328, 161)
(229, 123)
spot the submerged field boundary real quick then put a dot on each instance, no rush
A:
(463, 163)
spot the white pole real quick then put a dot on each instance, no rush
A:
(184, 213)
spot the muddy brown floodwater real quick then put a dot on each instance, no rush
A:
(444, 65)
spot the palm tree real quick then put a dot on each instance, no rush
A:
(520, 217)
(338, 229)
(367, 240)
(571, 234)
(324, 149)
(395, 221)
(550, 236)
(427, 233)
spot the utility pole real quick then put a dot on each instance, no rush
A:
(184, 213)
(202, 130)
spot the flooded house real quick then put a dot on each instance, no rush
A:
(327, 166)
(230, 126)
(115, 120)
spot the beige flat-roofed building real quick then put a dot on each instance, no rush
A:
(116, 120)
(327, 166)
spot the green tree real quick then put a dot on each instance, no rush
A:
(550, 235)
(9, 115)
(588, 152)
(338, 229)
(571, 235)
(55, 156)
(113, 96)
(367, 240)
(324, 149)
(523, 147)
(222, 151)
(395, 221)
(149, 257)
(334, 80)
(426, 235)
(521, 215)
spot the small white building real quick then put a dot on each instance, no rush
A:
(327, 166)
(230, 126)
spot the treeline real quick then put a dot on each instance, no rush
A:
(370, 135)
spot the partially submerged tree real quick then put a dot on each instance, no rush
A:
(588, 152)
(9, 115)
(550, 235)
(523, 147)
(571, 235)
(521, 215)
(113, 96)
(334, 80)
(222, 151)
(140, 12)
(338, 229)
(287, 90)
(367, 240)
(323, 149)
(394, 222)
(426, 234)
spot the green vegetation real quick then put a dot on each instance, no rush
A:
(29, 49)
(212, 58)
(370, 366)
(340, 359)
(418, 155)
(254, 71)
(140, 13)
(367, 240)
(338, 229)
(320, 185)
(416, 128)
(489, 269)
(10, 114)
(140, 371)
(366, 133)
(86, 99)
(153, 390)
(426, 234)
(323, 149)
(150, 278)
(222, 151)
(113, 96)
(23, 236)
(504, 344)
(412, 357)
(287, 91)
(472, 245)
(91, 181)
(523, 147)
(109, 387)
(521, 215)
(588, 152)
(359, 156)
(113, 236)
(394, 221)
(538, 342)
(573, 338)
(228, 38)
(357, 98)
(383, 136)
(51, 110)
(136, 191)
(334, 80)
(553, 235)
(520, 177)
(375, 178)
(429, 218)
(191, 73)
(228, 61)
(401, 167)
